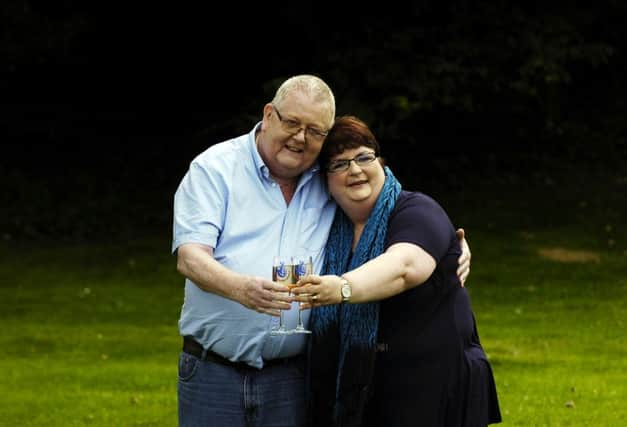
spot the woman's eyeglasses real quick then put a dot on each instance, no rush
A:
(361, 159)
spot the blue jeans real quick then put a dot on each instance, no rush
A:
(211, 394)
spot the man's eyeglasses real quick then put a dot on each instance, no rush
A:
(292, 127)
(361, 159)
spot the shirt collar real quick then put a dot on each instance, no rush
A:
(260, 166)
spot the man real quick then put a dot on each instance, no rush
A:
(241, 202)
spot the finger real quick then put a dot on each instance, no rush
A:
(460, 233)
(311, 301)
(304, 289)
(275, 313)
(276, 296)
(463, 267)
(275, 304)
(464, 257)
(275, 287)
(463, 277)
(302, 298)
(309, 279)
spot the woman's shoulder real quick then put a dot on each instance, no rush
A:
(416, 199)
(418, 207)
(417, 218)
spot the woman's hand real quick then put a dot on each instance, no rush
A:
(315, 291)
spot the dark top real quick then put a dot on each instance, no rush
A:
(429, 367)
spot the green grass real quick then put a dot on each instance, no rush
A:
(554, 331)
(89, 334)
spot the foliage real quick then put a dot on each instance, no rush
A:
(38, 32)
(478, 69)
(104, 110)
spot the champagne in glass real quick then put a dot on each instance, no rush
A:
(303, 266)
(282, 274)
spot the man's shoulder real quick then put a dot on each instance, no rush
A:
(232, 145)
(224, 152)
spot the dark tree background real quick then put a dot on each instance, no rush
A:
(105, 103)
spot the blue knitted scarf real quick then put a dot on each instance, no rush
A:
(358, 323)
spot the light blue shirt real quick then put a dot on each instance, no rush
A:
(227, 200)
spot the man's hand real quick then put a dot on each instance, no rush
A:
(264, 296)
(463, 270)
(195, 261)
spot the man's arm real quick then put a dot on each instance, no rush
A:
(196, 262)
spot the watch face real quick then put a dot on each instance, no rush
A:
(346, 291)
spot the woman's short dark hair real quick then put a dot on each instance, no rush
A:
(348, 132)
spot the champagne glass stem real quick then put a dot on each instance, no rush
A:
(281, 324)
(281, 273)
(300, 320)
(303, 266)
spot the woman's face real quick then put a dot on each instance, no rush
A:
(361, 182)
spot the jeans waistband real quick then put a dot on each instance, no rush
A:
(191, 346)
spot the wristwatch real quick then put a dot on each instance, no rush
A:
(346, 290)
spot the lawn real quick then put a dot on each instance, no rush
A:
(90, 335)
(90, 330)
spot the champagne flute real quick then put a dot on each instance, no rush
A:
(303, 265)
(282, 273)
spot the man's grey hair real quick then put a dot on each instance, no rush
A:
(310, 85)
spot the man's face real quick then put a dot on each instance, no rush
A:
(292, 135)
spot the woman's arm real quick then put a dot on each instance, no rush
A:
(401, 267)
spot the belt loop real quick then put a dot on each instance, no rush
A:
(203, 356)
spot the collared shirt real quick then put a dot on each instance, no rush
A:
(228, 200)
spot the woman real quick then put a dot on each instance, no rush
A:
(394, 339)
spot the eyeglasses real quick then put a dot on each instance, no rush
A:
(292, 127)
(361, 159)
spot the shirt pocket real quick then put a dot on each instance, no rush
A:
(314, 230)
